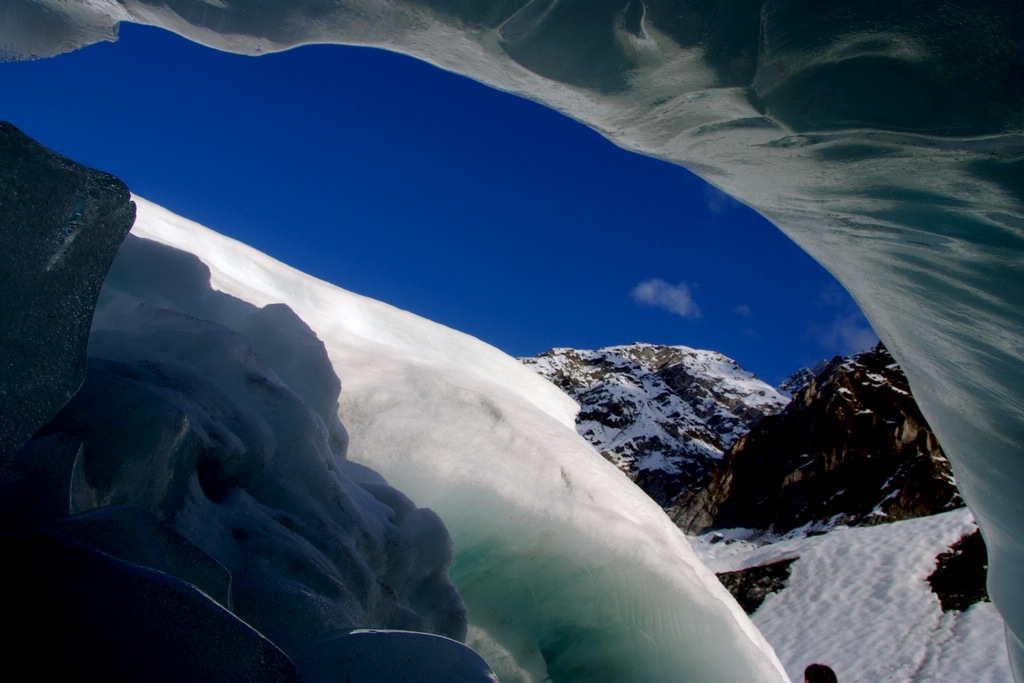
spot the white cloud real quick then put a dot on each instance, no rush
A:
(742, 309)
(675, 299)
(849, 334)
(718, 202)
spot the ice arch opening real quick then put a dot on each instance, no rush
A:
(886, 141)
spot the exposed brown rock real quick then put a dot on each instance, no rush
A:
(851, 447)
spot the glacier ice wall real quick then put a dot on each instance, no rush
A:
(221, 418)
(569, 571)
(886, 139)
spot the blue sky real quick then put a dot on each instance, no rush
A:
(474, 208)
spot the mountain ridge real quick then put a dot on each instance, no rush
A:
(852, 447)
(662, 414)
(718, 448)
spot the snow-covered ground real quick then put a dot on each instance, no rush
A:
(858, 600)
(569, 571)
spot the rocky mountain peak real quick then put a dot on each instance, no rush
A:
(851, 447)
(663, 414)
(801, 378)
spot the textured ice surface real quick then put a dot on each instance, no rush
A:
(60, 226)
(139, 537)
(885, 139)
(188, 410)
(205, 455)
(568, 569)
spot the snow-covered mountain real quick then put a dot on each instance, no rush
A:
(718, 448)
(860, 600)
(662, 414)
(851, 447)
(801, 378)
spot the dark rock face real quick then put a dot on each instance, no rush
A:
(851, 447)
(662, 414)
(960, 574)
(60, 227)
(751, 586)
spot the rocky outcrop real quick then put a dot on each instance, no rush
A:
(960, 574)
(752, 585)
(799, 380)
(852, 447)
(60, 227)
(662, 414)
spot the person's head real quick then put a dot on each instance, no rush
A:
(819, 673)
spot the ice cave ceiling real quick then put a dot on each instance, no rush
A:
(887, 139)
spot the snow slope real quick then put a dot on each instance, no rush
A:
(569, 571)
(858, 600)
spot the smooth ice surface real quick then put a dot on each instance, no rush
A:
(392, 656)
(568, 569)
(78, 613)
(859, 601)
(886, 139)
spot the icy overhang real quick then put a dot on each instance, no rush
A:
(886, 139)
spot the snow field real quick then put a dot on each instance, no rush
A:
(858, 600)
